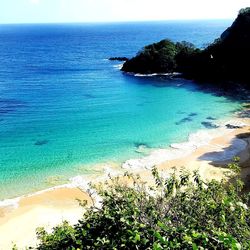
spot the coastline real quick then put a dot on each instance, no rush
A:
(205, 151)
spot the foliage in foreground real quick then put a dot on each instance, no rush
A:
(177, 213)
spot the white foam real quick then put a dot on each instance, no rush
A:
(156, 74)
(235, 123)
(155, 158)
(13, 203)
(183, 146)
(118, 66)
(177, 150)
(195, 140)
(79, 182)
(84, 185)
(142, 149)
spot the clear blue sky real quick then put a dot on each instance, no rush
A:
(47, 11)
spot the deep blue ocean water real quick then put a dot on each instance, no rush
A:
(64, 106)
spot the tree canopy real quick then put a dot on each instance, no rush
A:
(161, 57)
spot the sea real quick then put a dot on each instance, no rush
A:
(64, 107)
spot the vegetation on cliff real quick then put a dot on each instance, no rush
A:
(176, 213)
(225, 60)
(161, 57)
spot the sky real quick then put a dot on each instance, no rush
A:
(64, 11)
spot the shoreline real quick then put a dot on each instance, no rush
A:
(150, 157)
(203, 151)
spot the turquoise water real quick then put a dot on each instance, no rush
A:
(64, 107)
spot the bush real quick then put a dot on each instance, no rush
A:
(181, 212)
(158, 57)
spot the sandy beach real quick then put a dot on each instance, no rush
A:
(49, 208)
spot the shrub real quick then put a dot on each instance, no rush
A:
(180, 212)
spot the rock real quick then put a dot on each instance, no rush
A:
(142, 149)
(235, 124)
(118, 59)
(244, 113)
(211, 118)
(209, 125)
(186, 119)
(193, 114)
(230, 126)
(41, 142)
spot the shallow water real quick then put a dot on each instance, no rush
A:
(64, 107)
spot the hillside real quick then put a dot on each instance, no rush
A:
(226, 60)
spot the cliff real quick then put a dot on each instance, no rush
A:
(224, 61)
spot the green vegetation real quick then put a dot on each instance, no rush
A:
(164, 56)
(224, 61)
(180, 212)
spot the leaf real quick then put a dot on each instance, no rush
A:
(195, 247)
(137, 237)
(160, 238)
(157, 246)
(162, 225)
(236, 246)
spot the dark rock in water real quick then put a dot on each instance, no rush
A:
(186, 119)
(247, 106)
(209, 125)
(231, 126)
(139, 144)
(90, 96)
(244, 113)
(41, 142)
(211, 118)
(193, 114)
(122, 59)
(142, 148)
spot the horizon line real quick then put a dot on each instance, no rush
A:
(118, 22)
